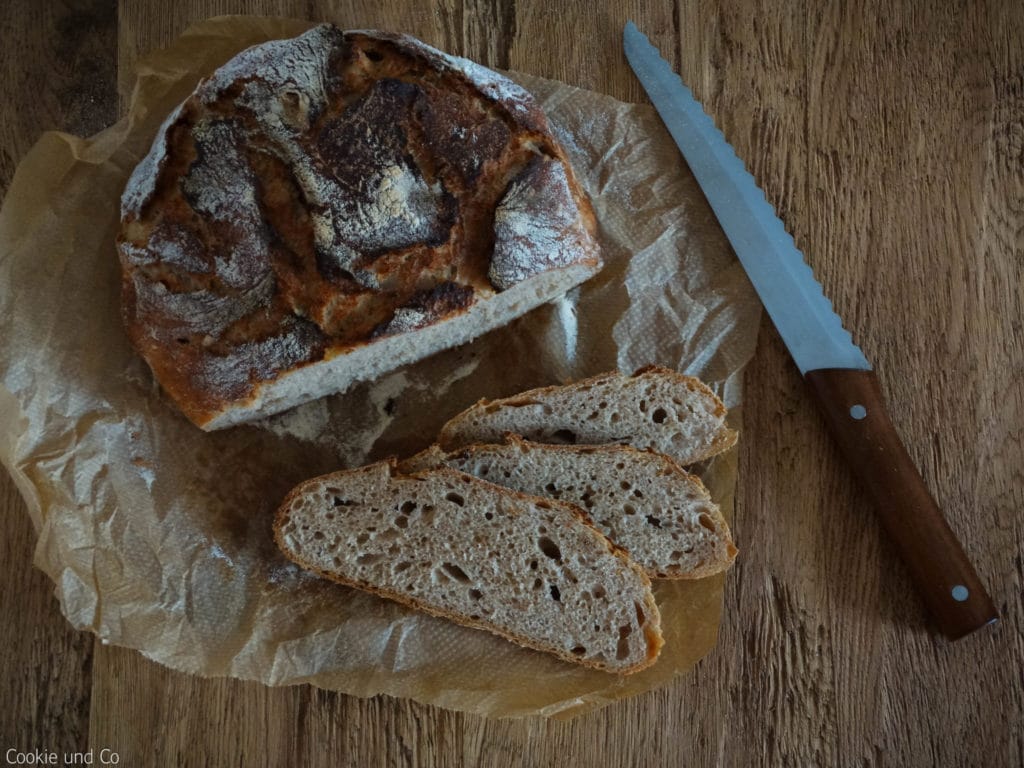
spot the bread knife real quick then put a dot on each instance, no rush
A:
(839, 376)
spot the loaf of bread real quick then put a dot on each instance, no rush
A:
(654, 408)
(325, 209)
(532, 570)
(641, 500)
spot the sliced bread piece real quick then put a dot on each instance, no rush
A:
(641, 500)
(529, 569)
(655, 408)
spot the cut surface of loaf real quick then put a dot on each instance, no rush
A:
(654, 408)
(641, 500)
(327, 208)
(526, 568)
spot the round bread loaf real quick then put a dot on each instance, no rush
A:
(325, 209)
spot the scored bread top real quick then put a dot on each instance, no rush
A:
(324, 193)
(529, 569)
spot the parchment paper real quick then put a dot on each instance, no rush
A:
(157, 535)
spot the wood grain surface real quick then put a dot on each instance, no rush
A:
(890, 136)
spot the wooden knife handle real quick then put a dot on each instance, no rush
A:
(853, 405)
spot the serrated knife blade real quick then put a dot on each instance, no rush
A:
(837, 371)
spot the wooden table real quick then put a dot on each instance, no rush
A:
(890, 136)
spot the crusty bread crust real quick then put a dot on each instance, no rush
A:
(725, 440)
(652, 632)
(318, 200)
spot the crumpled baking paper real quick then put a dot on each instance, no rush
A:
(157, 536)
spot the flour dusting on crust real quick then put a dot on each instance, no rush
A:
(257, 358)
(318, 195)
(493, 85)
(196, 312)
(142, 182)
(536, 225)
(299, 64)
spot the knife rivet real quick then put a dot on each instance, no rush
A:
(960, 593)
(858, 412)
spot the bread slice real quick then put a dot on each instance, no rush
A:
(325, 209)
(529, 569)
(655, 408)
(642, 501)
